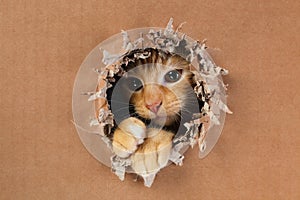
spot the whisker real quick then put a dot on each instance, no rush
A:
(120, 102)
(185, 97)
(127, 115)
(123, 108)
(189, 93)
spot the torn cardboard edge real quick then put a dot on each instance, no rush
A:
(207, 89)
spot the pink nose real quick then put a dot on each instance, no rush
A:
(154, 107)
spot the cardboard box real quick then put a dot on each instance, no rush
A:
(43, 44)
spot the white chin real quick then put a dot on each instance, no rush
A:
(165, 120)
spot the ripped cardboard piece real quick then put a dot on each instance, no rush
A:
(207, 89)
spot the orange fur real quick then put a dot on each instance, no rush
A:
(152, 153)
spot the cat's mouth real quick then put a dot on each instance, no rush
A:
(161, 117)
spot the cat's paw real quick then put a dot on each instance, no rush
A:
(154, 153)
(130, 133)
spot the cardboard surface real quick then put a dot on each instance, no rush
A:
(42, 46)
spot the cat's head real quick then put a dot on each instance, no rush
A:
(159, 92)
(158, 88)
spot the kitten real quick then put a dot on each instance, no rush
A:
(150, 104)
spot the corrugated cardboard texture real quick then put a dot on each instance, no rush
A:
(42, 46)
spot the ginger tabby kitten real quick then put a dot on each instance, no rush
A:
(150, 104)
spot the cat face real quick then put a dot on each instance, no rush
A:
(157, 89)
(159, 92)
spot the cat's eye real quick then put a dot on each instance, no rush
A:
(134, 84)
(172, 76)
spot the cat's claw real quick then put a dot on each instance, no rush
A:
(130, 133)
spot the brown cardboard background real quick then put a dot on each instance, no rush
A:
(42, 46)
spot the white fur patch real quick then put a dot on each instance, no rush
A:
(137, 131)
